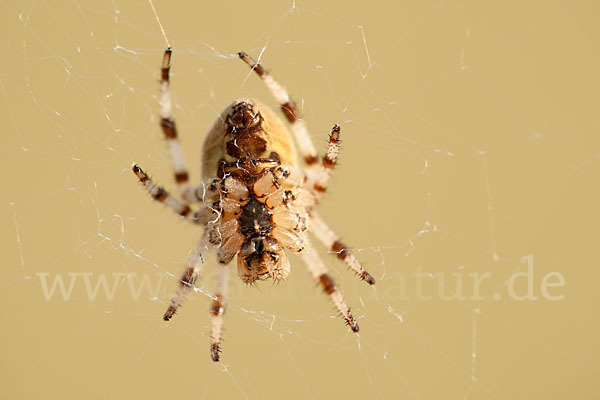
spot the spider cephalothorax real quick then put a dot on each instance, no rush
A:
(259, 217)
(255, 201)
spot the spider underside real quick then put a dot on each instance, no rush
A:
(255, 201)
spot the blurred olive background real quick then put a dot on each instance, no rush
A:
(470, 151)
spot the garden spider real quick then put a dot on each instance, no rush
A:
(255, 200)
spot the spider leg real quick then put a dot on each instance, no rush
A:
(186, 283)
(217, 309)
(159, 193)
(329, 161)
(167, 123)
(319, 272)
(332, 241)
(288, 108)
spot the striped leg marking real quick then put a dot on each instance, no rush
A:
(329, 161)
(307, 148)
(167, 123)
(319, 273)
(186, 283)
(217, 309)
(160, 194)
(326, 236)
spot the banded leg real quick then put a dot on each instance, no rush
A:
(329, 161)
(328, 237)
(217, 309)
(167, 123)
(288, 108)
(319, 272)
(186, 283)
(159, 193)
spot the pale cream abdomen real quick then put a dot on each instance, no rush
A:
(273, 132)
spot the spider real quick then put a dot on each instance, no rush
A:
(255, 200)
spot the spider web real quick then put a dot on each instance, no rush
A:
(467, 157)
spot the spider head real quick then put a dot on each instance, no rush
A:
(243, 115)
(262, 256)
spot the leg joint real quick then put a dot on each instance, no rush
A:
(338, 248)
(327, 284)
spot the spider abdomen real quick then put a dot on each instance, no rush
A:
(246, 128)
